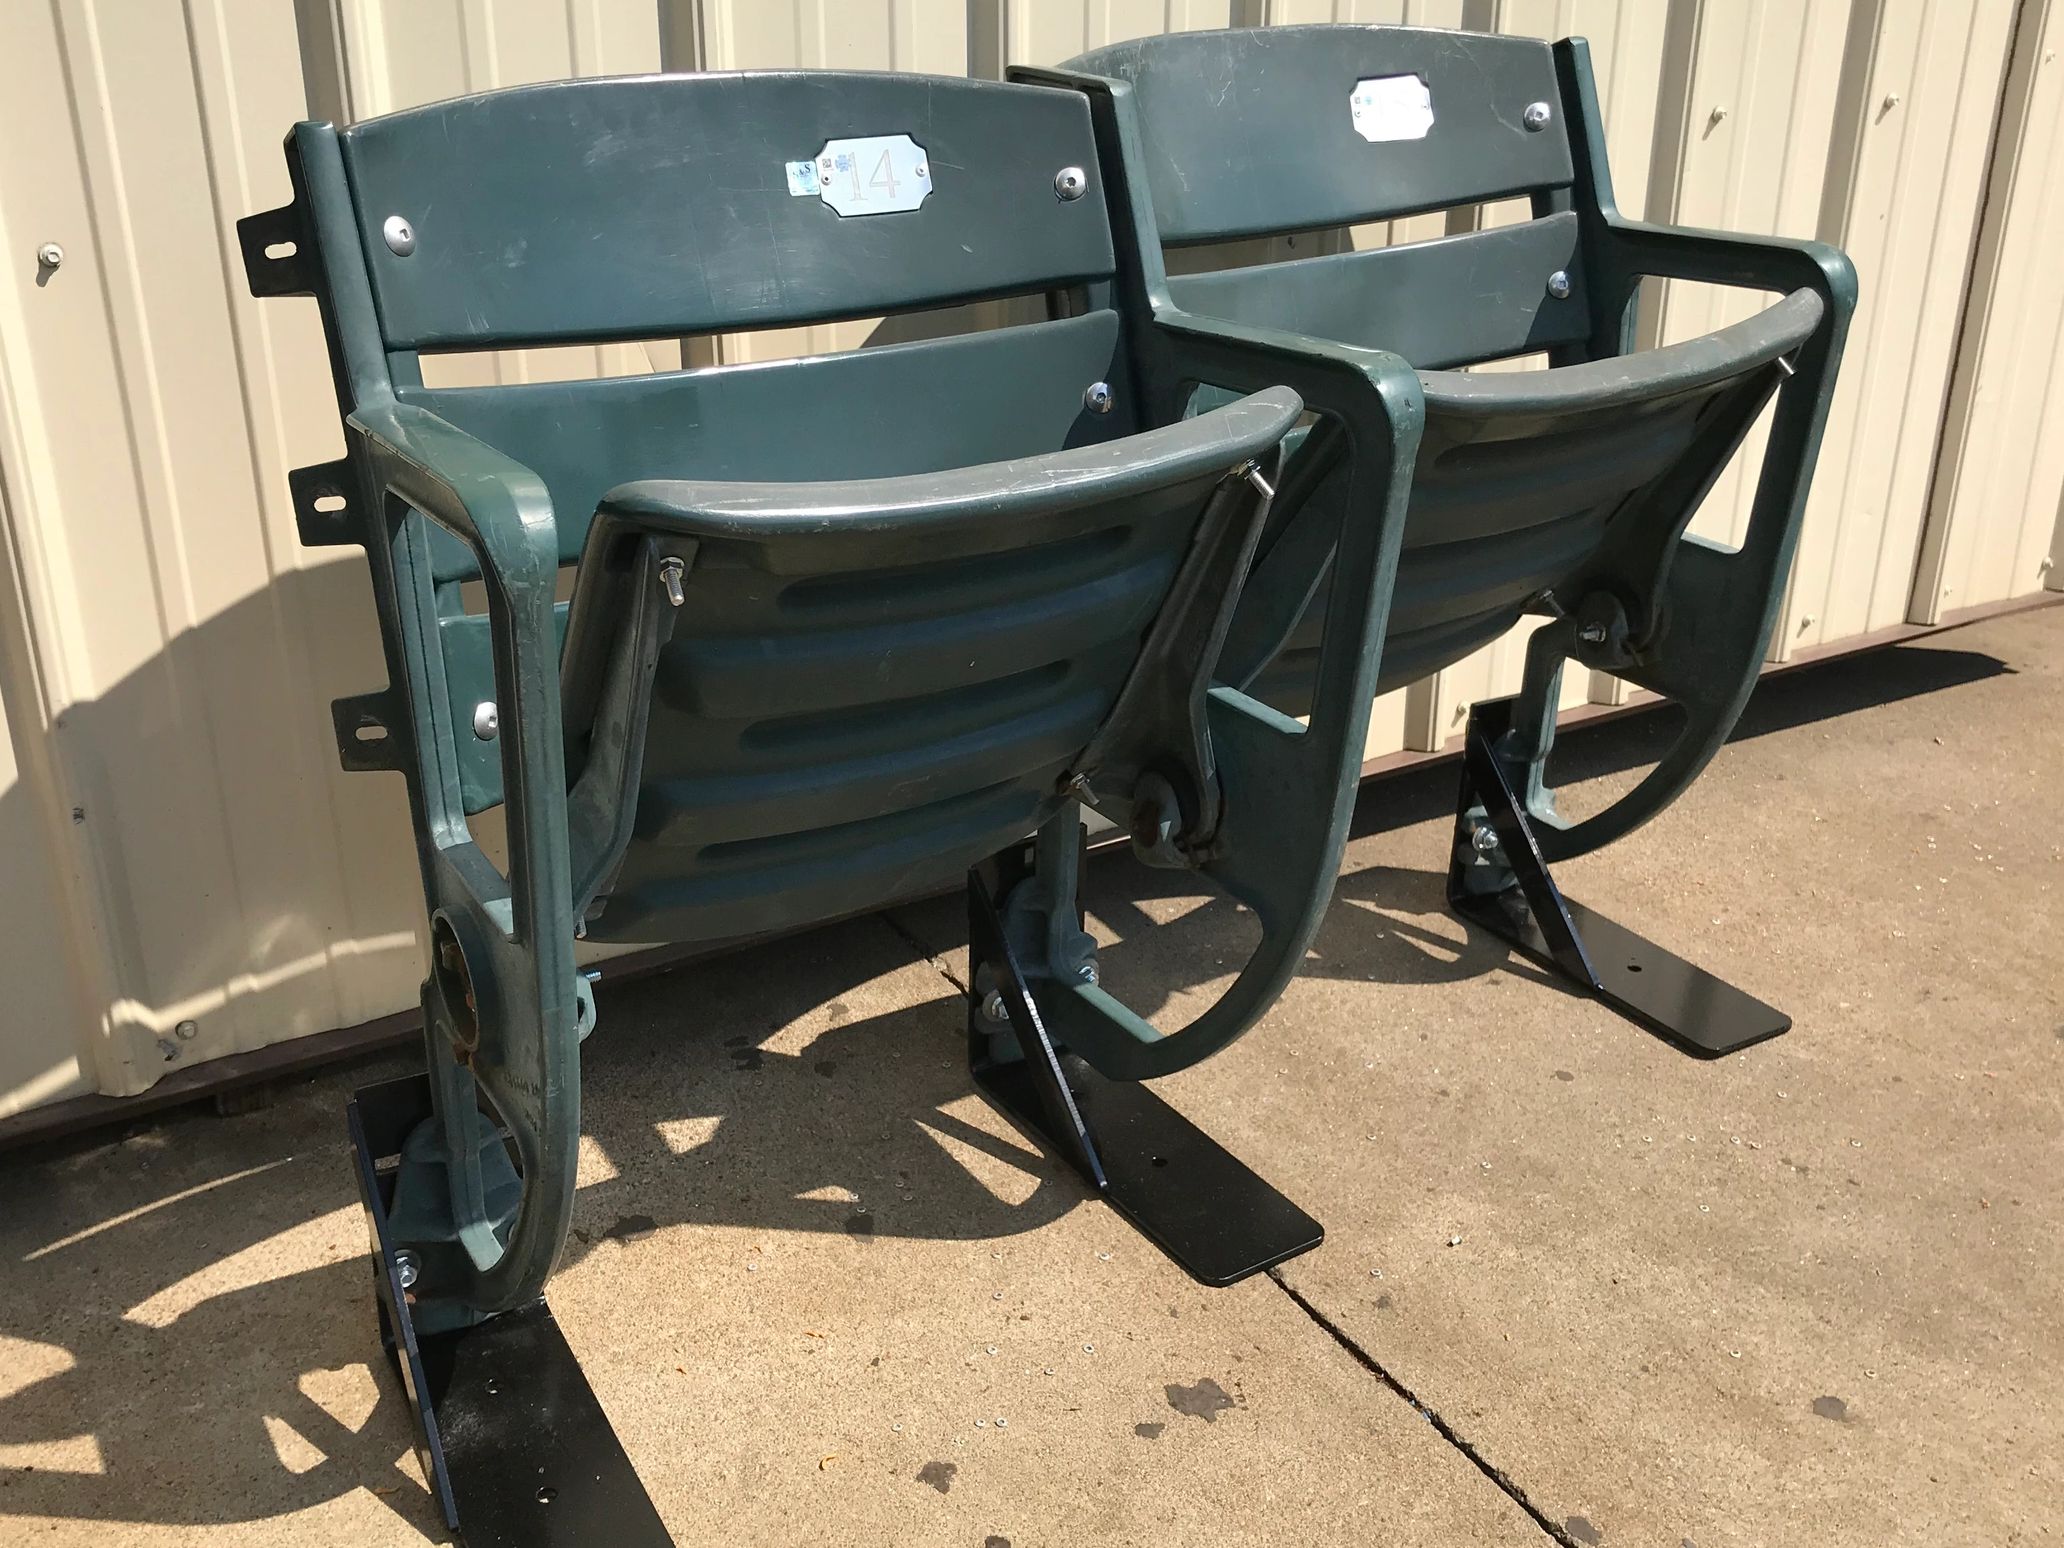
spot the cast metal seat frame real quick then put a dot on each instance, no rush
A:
(1668, 615)
(468, 1207)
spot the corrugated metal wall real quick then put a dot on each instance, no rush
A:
(188, 875)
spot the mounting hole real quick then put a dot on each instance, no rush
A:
(329, 502)
(546, 1494)
(493, 1387)
(1160, 1160)
(1633, 967)
(278, 250)
(371, 731)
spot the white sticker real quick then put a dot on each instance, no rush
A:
(872, 176)
(1392, 107)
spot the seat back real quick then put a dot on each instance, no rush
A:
(664, 206)
(1252, 132)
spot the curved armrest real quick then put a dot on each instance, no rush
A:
(489, 501)
(1727, 258)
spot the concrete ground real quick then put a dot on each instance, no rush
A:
(1576, 1287)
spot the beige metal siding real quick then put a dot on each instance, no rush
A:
(1919, 98)
(1996, 518)
(178, 844)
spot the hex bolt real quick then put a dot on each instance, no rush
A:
(400, 235)
(1071, 183)
(1559, 284)
(1098, 398)
(671, 570)
(487, 720)
(993, 1008)
(1592, 634)
(1485, 839)
(1538, 116)
(50, 256)
(407, 1269)
(1089, 974)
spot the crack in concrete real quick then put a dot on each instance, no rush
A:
(1446, 1431)
(909, 938)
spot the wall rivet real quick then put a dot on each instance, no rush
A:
(1559, 284)
(1071, 183)
(400, 235)
(487, 720)
(1538, 116)
(187, 1031)
(50, 256)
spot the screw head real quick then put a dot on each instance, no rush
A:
(1090, 975)
(187, 1031)
(407, 1269)
(1592, 634)
(487, 720)
(1071, 183)
(399, 234)
(50, 255)
(1098, 398)
(1485, 839)
(1538, 116)
(1559, 284)
(992, 1006)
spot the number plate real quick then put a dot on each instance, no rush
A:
(1391, 107)
(877, 175)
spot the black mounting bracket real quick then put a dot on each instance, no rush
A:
(517, 1450)
(1185, 1192)
(1497, 879)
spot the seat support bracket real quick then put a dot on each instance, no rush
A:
(1498, 880)
(1178, 1186)
(517, 1451)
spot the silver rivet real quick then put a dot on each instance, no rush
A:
(670, 572)
(1485, 838)
(1071, 183)
(50, 255)
(400, 235)
(1098, 398)
(406, 1269)
(187, 1031)
(1559, 285)
(1891, 101)
(1716, 118)
(487, 720)
(1537, 117)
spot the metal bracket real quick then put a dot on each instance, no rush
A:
(1498, 880)
(321, 528)
(365, 724)
(517, 1450)
(284, 274)
(1185, 1192)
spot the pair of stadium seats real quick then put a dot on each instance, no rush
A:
(846, 629)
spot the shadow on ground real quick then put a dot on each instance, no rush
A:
(186, 1323)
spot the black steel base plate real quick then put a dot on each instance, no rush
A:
(1183, 1190)
(517, 1450)
(1677, 1000)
